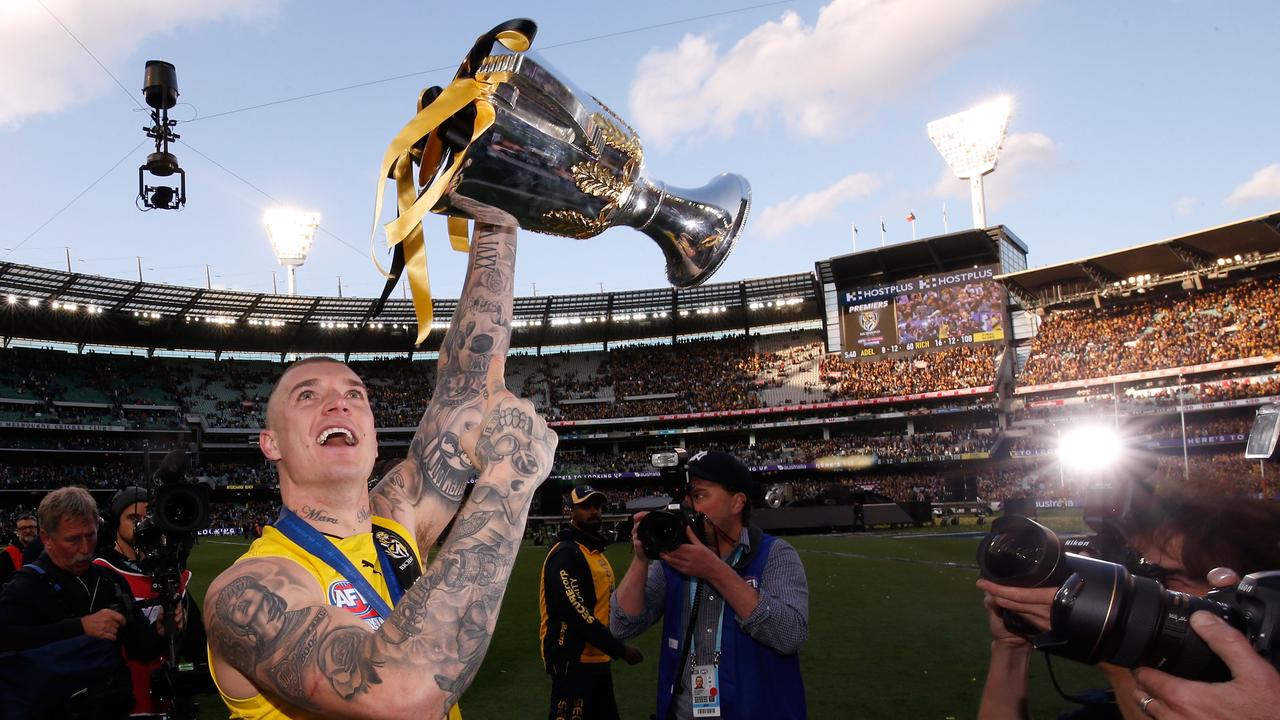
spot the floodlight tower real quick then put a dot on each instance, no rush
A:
(291, 233)
(970, 141)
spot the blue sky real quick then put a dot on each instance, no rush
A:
(1133, 122)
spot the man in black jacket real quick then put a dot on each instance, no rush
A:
(61, 612)
(576, 583)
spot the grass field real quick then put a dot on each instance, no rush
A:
(896, 630)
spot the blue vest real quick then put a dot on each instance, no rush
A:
(755, 681)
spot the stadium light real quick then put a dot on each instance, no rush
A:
(291, 233)
(1089, 448)
(970, 142)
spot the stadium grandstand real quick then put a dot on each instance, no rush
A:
(940, 372)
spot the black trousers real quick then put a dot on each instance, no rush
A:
(584, 692)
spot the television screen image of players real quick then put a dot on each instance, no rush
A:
(923, 314)
(973, 312)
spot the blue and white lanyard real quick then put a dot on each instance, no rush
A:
(693, 595)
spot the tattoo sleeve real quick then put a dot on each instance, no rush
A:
(425, 490)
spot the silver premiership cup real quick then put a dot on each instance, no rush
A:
(562, 163)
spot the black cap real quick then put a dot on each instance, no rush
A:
(723, 469)
(583, 493)
(125, 498)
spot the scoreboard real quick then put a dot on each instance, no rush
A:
(935, 311)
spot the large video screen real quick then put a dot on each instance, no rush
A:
(935, 311)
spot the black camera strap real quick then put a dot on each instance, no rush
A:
(685, 653)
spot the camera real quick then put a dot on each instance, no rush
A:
(662, 531)
(177, 510)
(1106, 612)
(160, 89)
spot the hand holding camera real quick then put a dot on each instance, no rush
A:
(1252, 693)
(1103, 612)
(693, 558)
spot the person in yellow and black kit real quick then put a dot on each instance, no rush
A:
(576, 583)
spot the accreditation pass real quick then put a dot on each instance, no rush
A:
(705, 683)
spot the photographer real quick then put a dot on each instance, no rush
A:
(128, 508)
(1182, 535)
(738, 605)
(63, 621)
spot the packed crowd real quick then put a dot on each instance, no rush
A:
(1224, 473)
(690, 376)
(897, 448)
(963, 366)
(1225, 324)
(98, 475)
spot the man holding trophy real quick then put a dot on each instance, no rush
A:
(303, 623)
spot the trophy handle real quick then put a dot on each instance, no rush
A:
(516, 35)
(695, 227)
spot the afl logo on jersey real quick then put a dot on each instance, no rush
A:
(342, 594)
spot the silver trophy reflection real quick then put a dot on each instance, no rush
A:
(563, 163)
(511, 139)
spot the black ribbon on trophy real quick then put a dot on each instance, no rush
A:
(512, 141)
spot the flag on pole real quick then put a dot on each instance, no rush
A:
(911, 218)
(855, 236)
(882, 231)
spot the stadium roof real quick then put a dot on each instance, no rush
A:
(46, 304)
(1255, 240)
(920, 257)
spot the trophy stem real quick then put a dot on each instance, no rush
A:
(695, 227)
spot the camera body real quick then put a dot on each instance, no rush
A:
(176, 511)
(1106, 612)
(662, 531)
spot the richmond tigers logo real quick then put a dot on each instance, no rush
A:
(869, 320)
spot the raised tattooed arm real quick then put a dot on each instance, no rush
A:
(266, 626)
(423, 491)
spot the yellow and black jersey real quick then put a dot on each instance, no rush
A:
(576, 583)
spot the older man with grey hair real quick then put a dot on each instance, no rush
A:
(62, 609)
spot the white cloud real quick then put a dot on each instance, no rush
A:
(1023, 154)
(1264, 185)
(799, 211)
(43, 70)
(816, 79)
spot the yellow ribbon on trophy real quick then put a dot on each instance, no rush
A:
(397, 164)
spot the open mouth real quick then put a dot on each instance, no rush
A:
(335, 434)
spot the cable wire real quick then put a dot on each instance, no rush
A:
(73, 200)
(266, 194)
(90, 53)
(567, 43)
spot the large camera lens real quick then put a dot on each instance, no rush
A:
(661, 531)
(1104, 613)
(182, 508)
(1021, 552)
